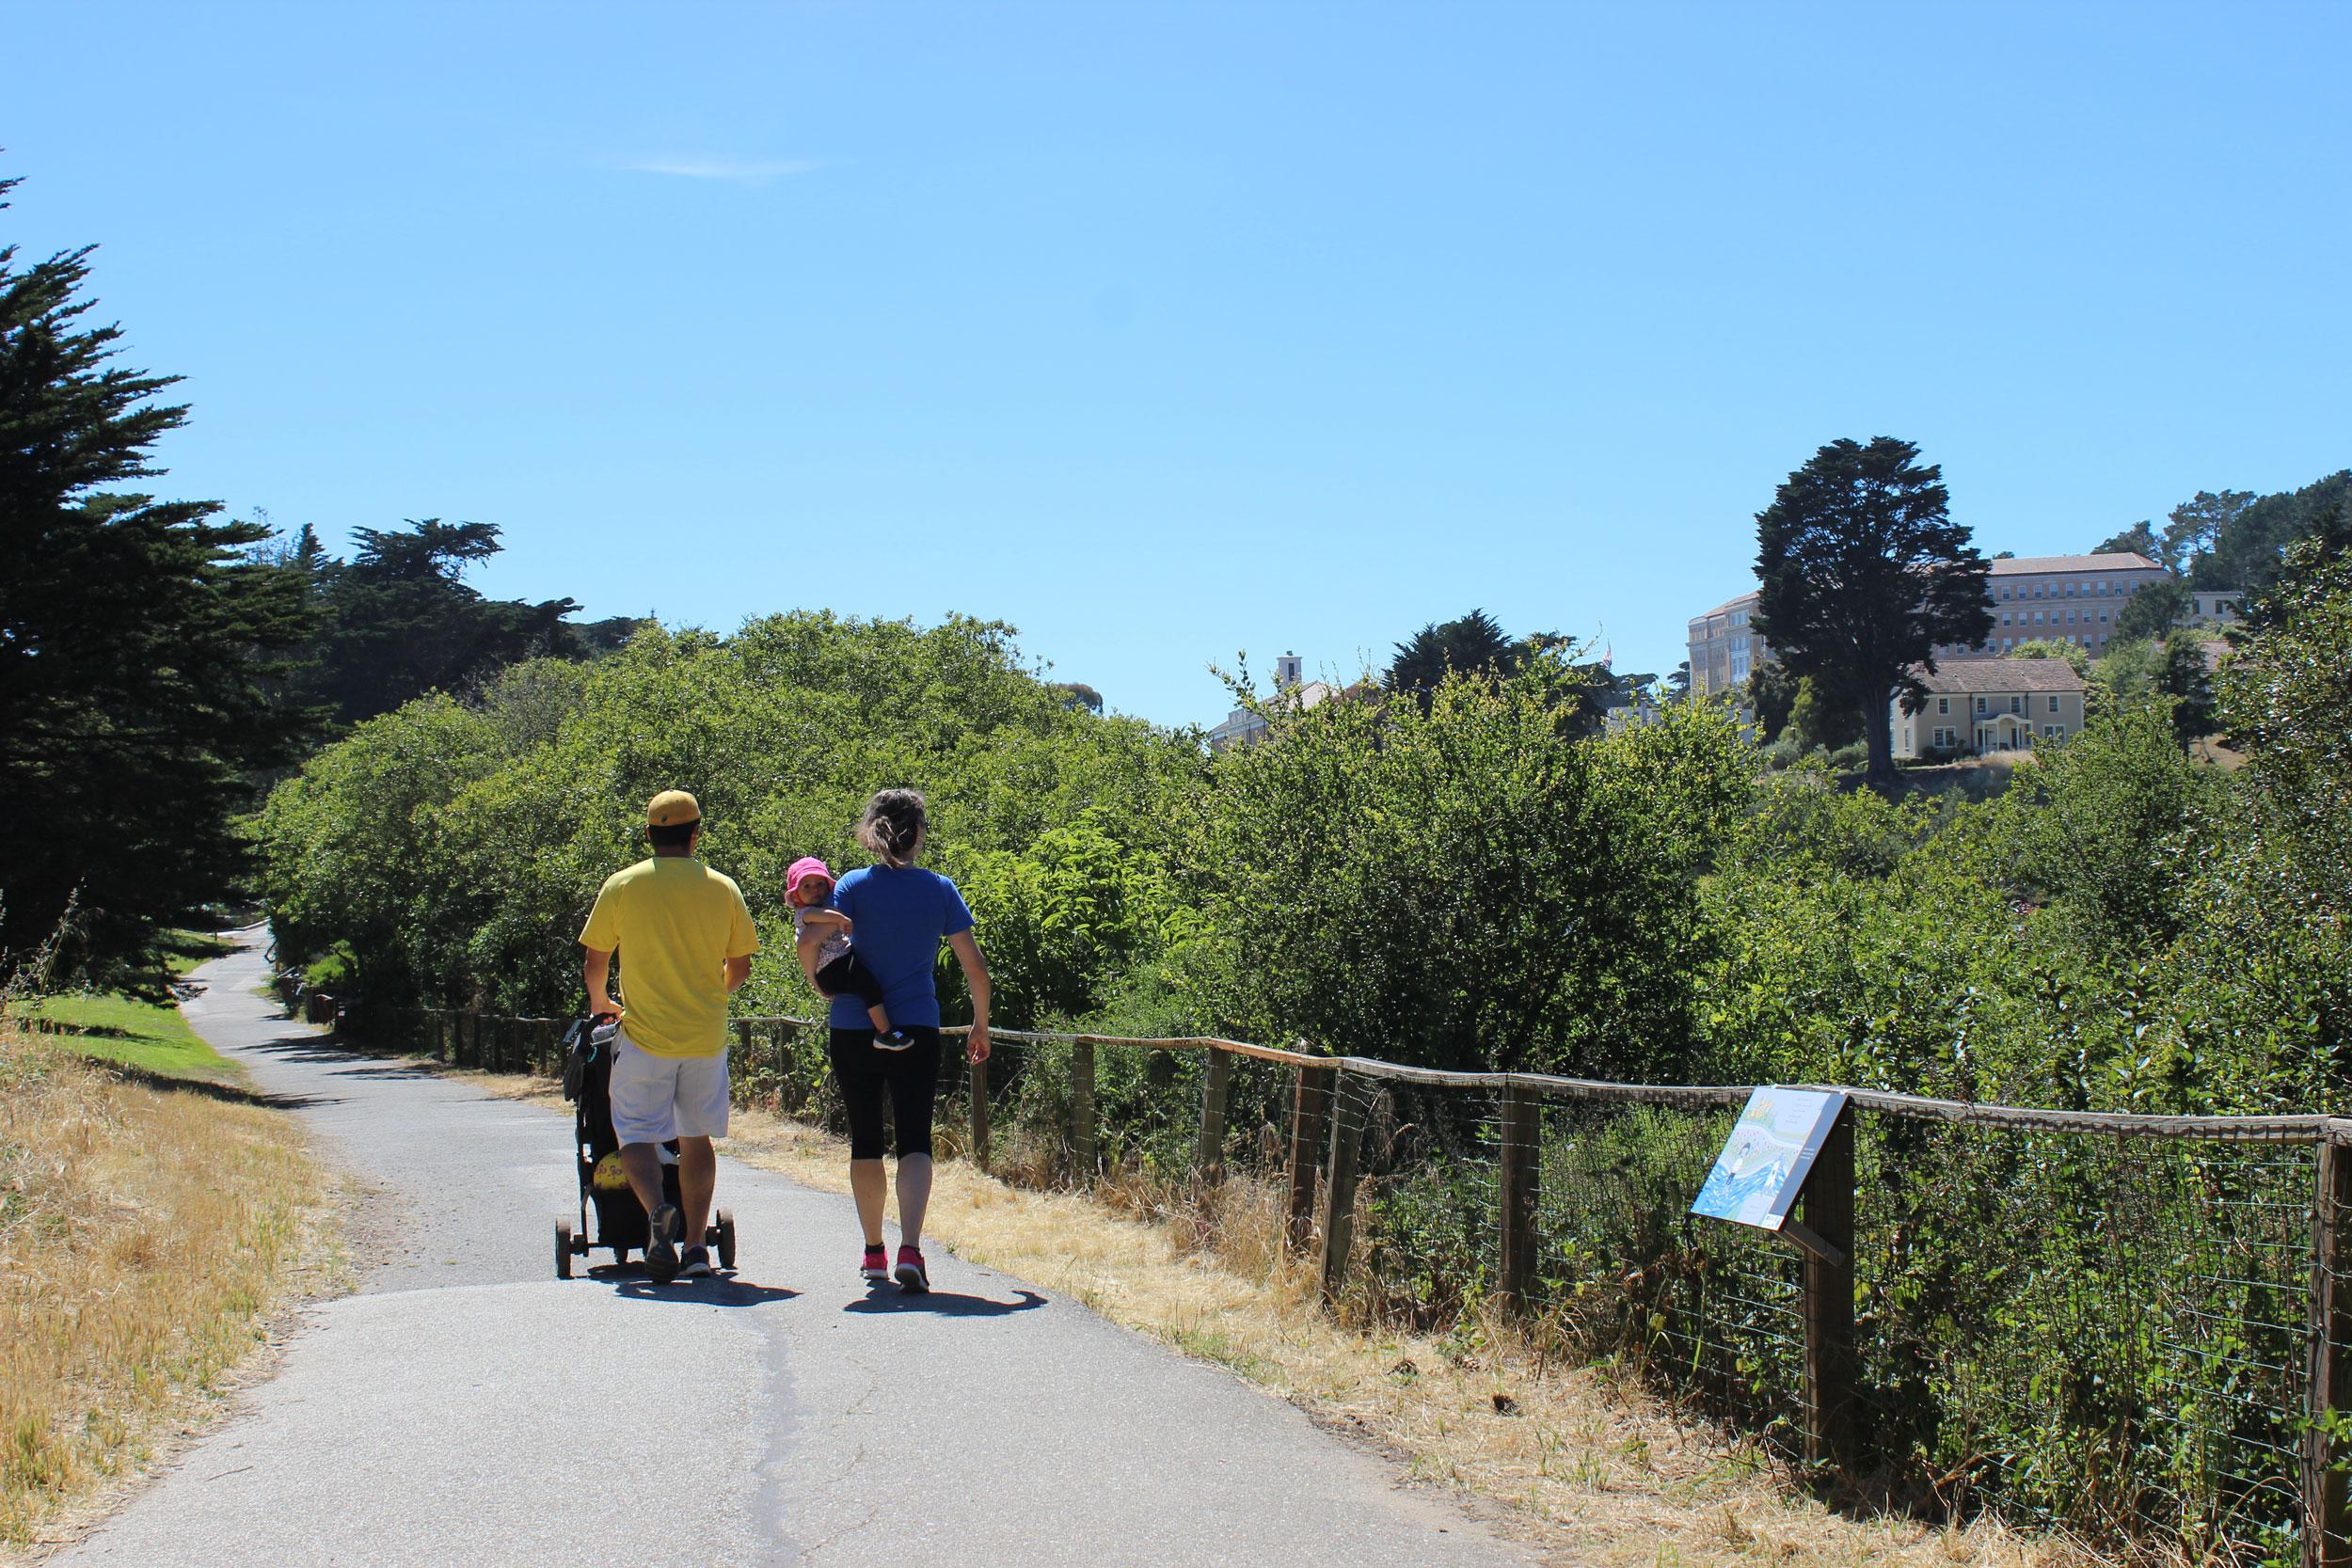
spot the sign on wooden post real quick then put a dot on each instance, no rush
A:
(1310, 1106)
(1762, 1168)
(1829, 1358)
(1790, 1145)
(1208, 1159)
(1522, 1151)
(1350, 1094)
(2326, 1508)
(1085, 1149)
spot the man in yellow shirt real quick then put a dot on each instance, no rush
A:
(687, 939)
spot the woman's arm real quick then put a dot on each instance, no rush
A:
(967, 950)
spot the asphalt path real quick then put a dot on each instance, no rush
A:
(466, 1407)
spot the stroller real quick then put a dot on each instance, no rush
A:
(620, 1219)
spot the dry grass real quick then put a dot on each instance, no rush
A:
(1593, 1470)
(145, 1236)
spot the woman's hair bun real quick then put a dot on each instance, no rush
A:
(893, 826)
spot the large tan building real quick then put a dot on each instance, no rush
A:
(1725, 648)
(1979, 706)
(2071, 599)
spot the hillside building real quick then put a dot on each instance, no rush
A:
(1243, 727)
(1980, 706)
(2070, 598)
(1726, 648)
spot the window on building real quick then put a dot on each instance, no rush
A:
(2015, 704)
(1943, 704)
(2054, 703)
(2054, 732)
(1980, 706)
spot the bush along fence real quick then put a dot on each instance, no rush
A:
(2134, 1328)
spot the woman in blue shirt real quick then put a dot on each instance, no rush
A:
(899, 914)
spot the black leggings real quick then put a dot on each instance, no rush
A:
(848, 975)
(908, 1078)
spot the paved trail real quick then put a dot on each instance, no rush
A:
(464, 1408)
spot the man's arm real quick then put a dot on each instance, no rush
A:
(738, 971)
(595, 971)
(967, 951)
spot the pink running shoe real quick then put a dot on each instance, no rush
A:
(912, 1277)
(875, 1265)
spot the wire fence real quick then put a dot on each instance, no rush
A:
(2134, 1328)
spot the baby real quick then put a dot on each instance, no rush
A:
(821, 936)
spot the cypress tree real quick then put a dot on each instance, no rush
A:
(1863, 574)
(138, 640)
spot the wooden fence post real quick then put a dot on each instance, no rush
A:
(1208, 1159)
(979, 1114)
(1349, 1095)
(1522, 1166)
(1310, 1106)
(1084, 1146)
(1829, 1214)
(2327, 1508)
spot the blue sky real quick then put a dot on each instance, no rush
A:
(1170, 331)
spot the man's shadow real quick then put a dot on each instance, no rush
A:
(715, 1289)
(945, 1303)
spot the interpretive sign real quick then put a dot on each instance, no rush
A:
(1762, 1168)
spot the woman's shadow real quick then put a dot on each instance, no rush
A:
(945, 1303)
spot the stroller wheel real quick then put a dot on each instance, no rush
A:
(725, 1236)
(563, 1249)
(620, 1257)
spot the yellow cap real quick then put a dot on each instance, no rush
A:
(672, 808)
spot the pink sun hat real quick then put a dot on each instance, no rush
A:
(801, 870)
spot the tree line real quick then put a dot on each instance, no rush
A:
(2234, 539)
(160, 663)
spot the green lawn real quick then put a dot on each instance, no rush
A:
(184, 950)
(150, 1036)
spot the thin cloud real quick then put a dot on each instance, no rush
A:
(739, 171)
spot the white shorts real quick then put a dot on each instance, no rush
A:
(656, 1098)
